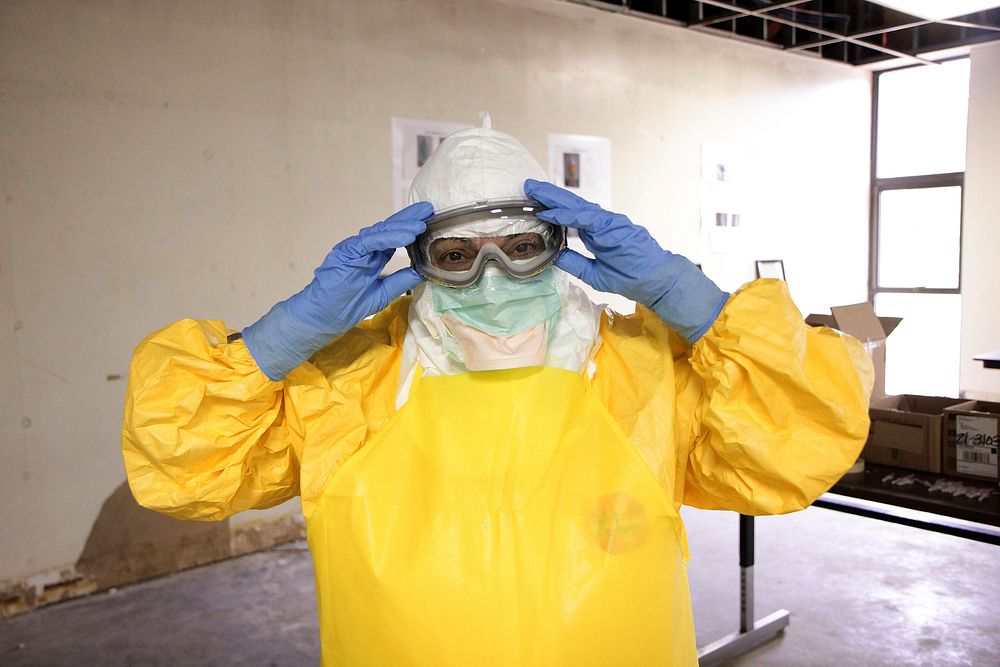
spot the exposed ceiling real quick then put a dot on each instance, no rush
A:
(855, 32)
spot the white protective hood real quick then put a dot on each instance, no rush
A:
(475, 165)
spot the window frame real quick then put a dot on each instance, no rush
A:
(880, 185)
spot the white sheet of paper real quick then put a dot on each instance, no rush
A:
(582, 164)
(723, 197)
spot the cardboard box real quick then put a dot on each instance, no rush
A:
(971, 442)
(907, 431)
(859, 320)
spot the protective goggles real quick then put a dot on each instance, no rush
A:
(459, 243)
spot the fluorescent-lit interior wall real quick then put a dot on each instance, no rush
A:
(198, 159)
(981, 227)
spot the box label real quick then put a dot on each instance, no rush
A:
(976, 445)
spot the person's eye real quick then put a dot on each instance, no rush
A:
(525, 248)
(454, 260)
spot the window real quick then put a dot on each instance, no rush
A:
(918, 177)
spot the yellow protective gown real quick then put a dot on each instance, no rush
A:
(525, 517)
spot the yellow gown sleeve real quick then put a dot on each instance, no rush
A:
(783, 407)
(205, 433)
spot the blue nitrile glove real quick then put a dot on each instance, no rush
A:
(630, 262)
(346, 289)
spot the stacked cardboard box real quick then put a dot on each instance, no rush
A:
(928, 433)
(971, 440)
(907, 431)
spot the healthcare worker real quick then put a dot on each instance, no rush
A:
(491, 470)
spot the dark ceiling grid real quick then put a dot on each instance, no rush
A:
(855, 32)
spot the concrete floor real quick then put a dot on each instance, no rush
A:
(861, 592)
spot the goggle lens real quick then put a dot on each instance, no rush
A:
(459, 243)
(459, 254)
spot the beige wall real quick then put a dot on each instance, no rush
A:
(981, 227)
(172, 159)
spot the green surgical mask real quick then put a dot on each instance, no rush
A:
(499, 304)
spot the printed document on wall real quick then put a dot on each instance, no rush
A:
(723, 197)
(582, 164)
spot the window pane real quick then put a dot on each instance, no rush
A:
(921, 119)
(919, 237)
(922, 354)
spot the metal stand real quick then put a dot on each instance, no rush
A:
(752, 633)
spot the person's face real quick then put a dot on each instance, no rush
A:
(459, 254)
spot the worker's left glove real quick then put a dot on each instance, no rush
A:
(346, 289)
(629, 261)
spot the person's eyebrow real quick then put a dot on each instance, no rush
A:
(459, 239)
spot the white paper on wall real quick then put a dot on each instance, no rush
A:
(723, 197)
(413, 141)
(582, 164)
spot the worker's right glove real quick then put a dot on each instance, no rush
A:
(345, 290)
(629, 261)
